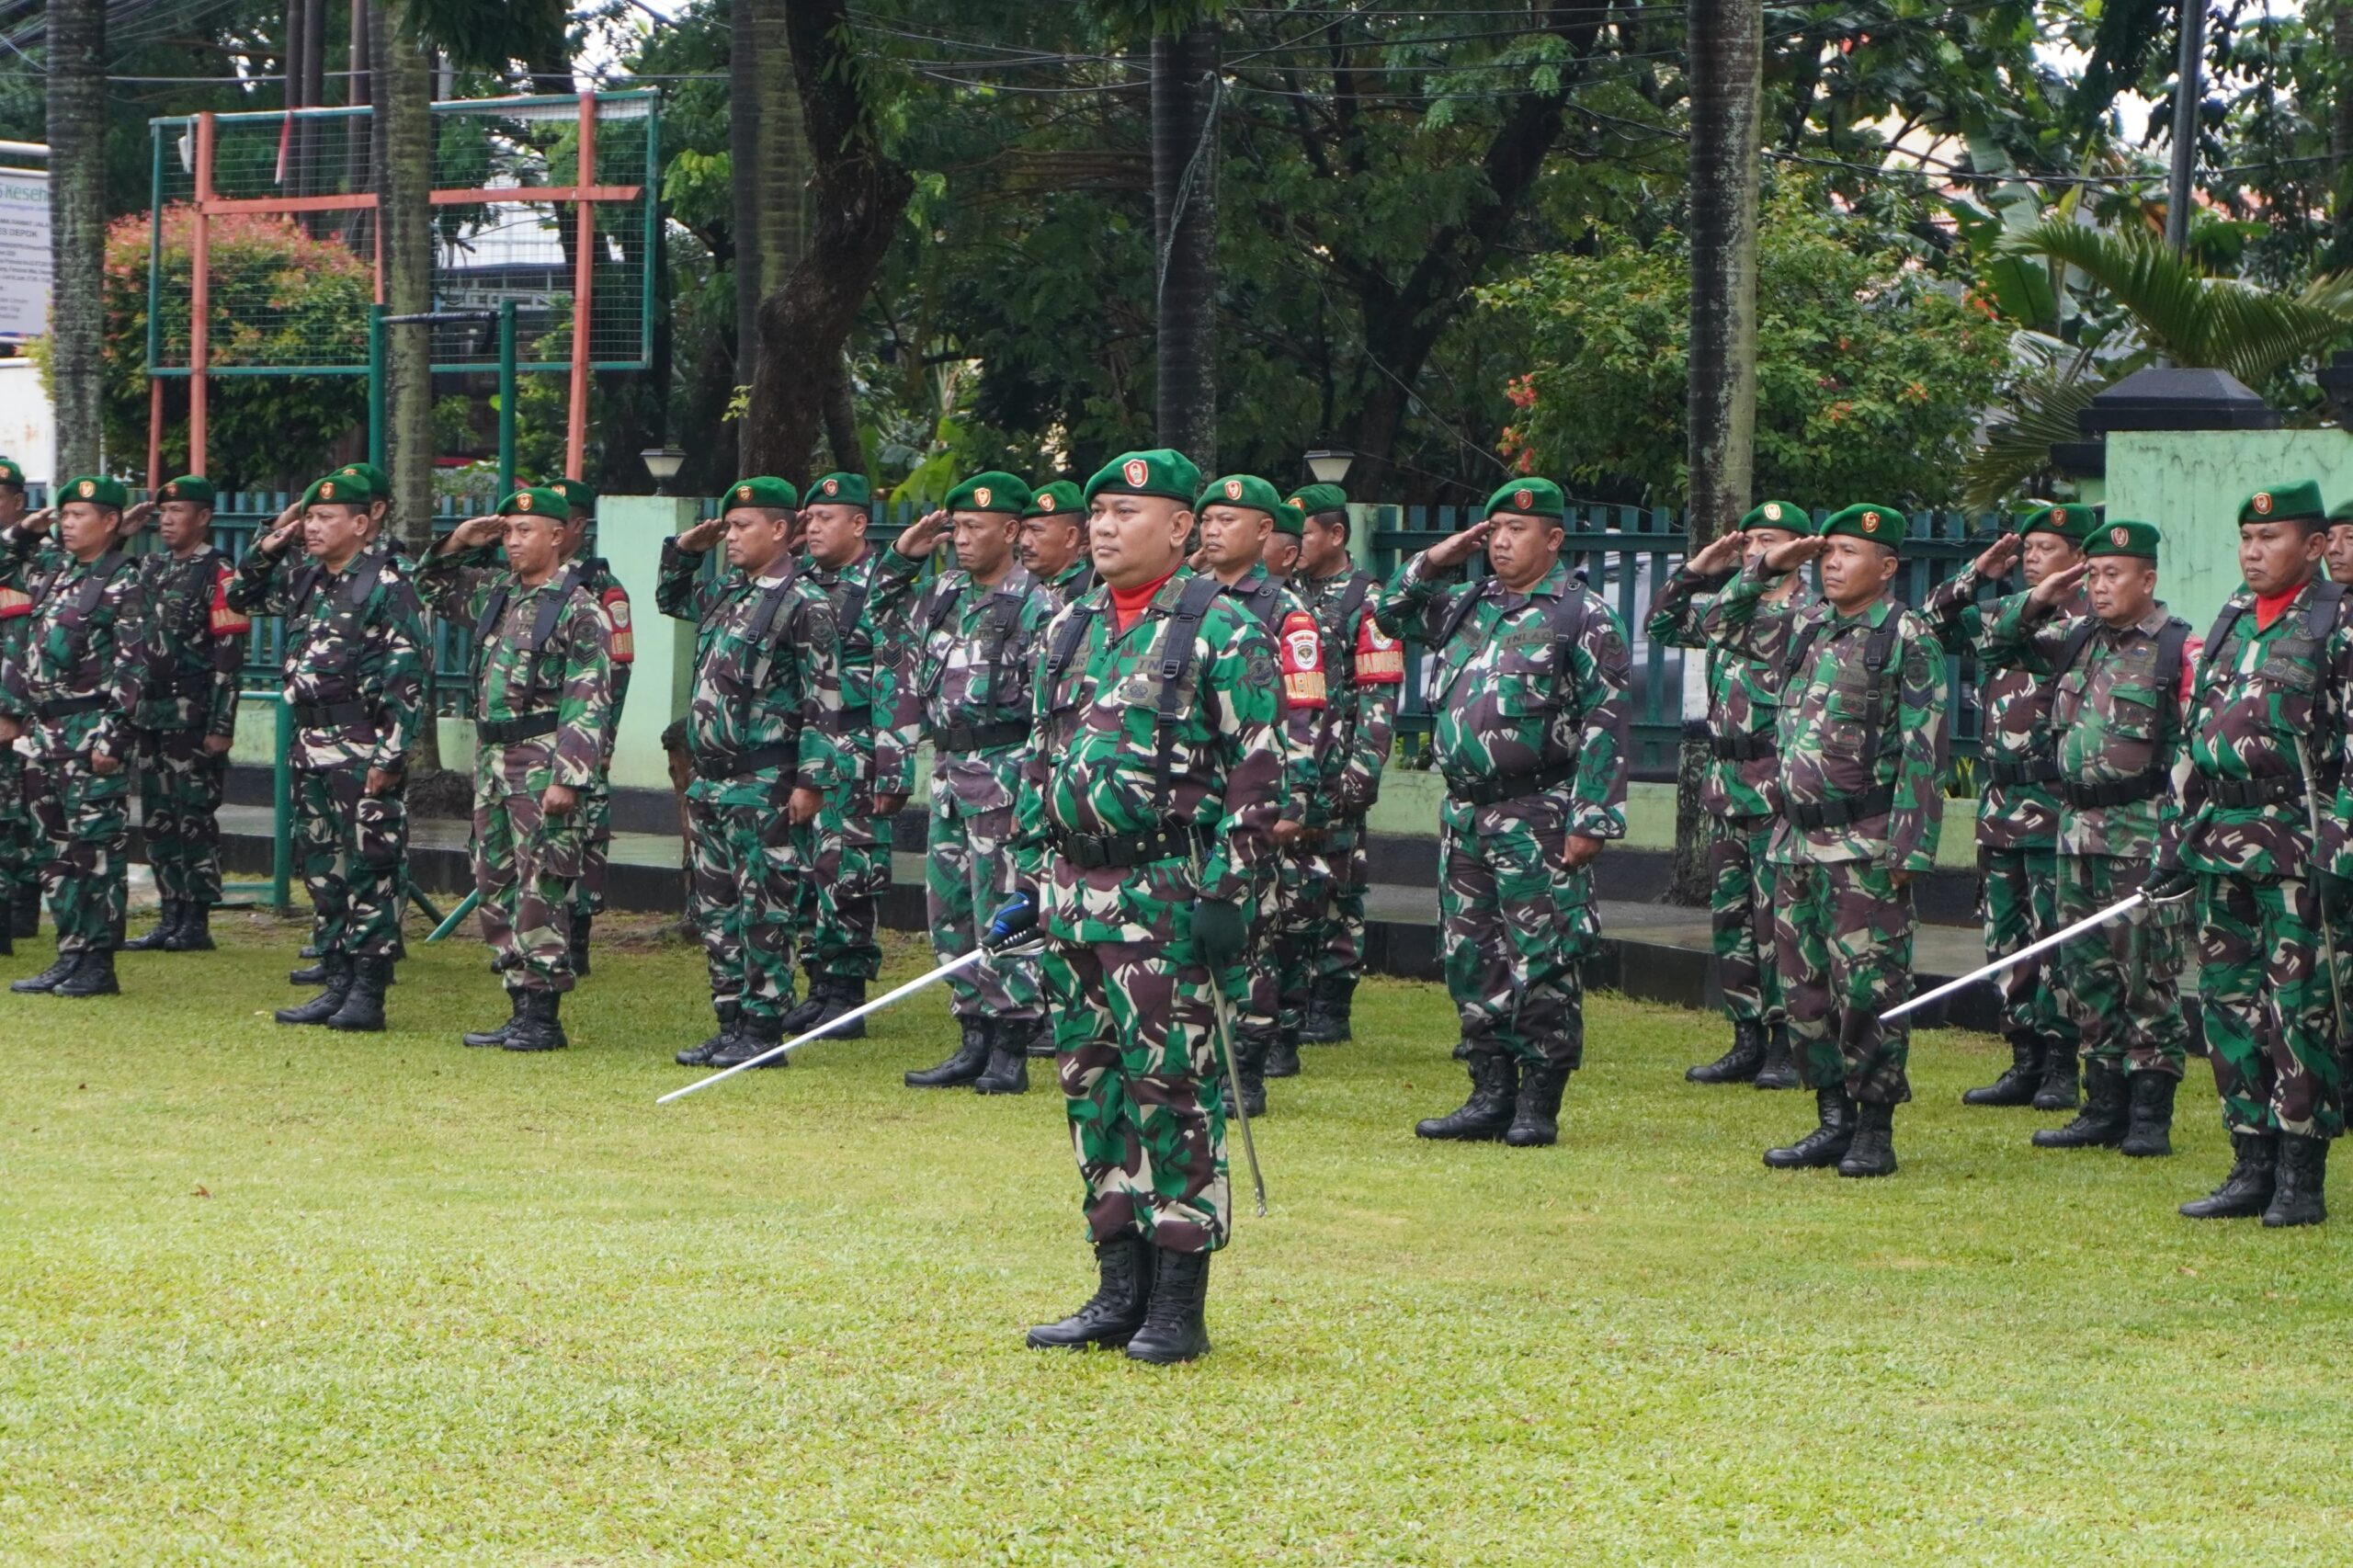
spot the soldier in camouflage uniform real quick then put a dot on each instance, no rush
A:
(542, 705)
(71, 689)
(2119, 683)
(2266, 731)
(1743, 696)
(19, 888)
(970, 651)
(188, 718)
(849, 844)
(1145, 814)
(1531, 734)
(1364, 673)
(1862, 735)
(1053, 540)
(354, 650)
(765, 726)
(2340, 542)
(620, 643)
(2018, 816)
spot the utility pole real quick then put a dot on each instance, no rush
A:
(2188, 92)
(1185, 93)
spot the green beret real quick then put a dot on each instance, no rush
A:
(1242, 490)
(379, 483)
(2341, 513)
(1158, 472)
(2125, 536)
(1785, 515)
(97, 488)
(539, 500)
(11, 472)
(345, 487)
(760, 491)
(1291, 519)
(579, 495)
(1536, 497)
(1053, 500)
(1880, 525)
(2071, 521)
(187, 487)
(996, 490)
(1313, 498)
(2297, 503)
(841, 490)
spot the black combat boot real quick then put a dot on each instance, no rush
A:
(1250, 1047)
(1326, 1022)
(194, 933)
(363, 1006)
(1174, 1328)
(1738, 1065)
(1343, 1009)
(1282, 1054)
(1463, 1050)
(24, 912)
(810, 1008)
(1487, 1116)
(2151, 1132)
(1536, 1111)
(1780, 1069)
(843, 995)
(481, 1037)
(2300, 1196)
(316, 974)
(159, 939)
(49, 979)
(537, 1026)
(335, 971)
(2247, 1190)
(751, 1036)
(1828, 1143)
(2058, 1090)
(1008, 1069)
(7, 937)
(1116, 1310)
(94, 976)
(699, 1055)
(581, 928)
(2104, 1119)
(971, 1060)
(2019, 1082)
(1872, 1151)
(1042, 1041)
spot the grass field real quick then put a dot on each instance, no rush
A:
(270, 1294)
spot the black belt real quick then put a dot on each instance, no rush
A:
(65, 707)
(1511, 786)
(507, 731)
(858, 713)
(984, 737)
(1743, 748)
(2041, 770)
(2113, 791)
(1813, 816)
(331, 715)
(1103, 851)
(737, 764)
(2241, 794)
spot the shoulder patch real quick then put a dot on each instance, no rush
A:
(226, 621)
(1258, 666)
(619, 637)
(1380, 658)
(1301, 647)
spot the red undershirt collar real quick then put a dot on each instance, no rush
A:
(1127, 604)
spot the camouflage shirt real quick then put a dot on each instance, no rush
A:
(1364, 669)
(1305, 710)
(81, 645)
(775, 689)
(1096, 767)
(1512, 698)
(516, 675)
(620, 635)
(1744, 679)
(971, 654)
(195, 642)
(1074, 581)
(354, 652)
(2013, 713)
(1845, 735)
(881, 750)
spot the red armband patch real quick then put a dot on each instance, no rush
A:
(1380, 658)
(227, 622)
(15, 602)
(621, 641)
(1302, 658)
(2190, 648)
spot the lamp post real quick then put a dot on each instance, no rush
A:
(1330, 464)
(663, 463)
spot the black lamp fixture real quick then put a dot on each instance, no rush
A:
(663, 463)
(1330, 464)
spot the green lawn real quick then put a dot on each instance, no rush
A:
(276, 1294)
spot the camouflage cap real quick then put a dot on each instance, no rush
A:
(11, 472)
(1242, 490)
(536, 500)
(579, 495)
(2071, 520)
(1158, 471)
(1291, 519)
(1535, 497)
(1880, 525)
(2125, 536)
(996, 490)
(1054, 499)
(761, 490)
(95, 488)
(2297, 503)
(347, 486)
(1786, 515)
(841, 490)
(188, 487)
(1314, 498)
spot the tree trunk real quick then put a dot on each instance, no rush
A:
(1727, 48)
(1184, 223)
(744, 36)
(78, 220)
(2340, 136)
(360, 158)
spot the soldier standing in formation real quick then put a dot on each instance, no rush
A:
(1862, 737)
(1743, 697)
(971, 643)
(764, 730)
(596, 576)
(1053, 540)
(1531, 734)
(187, 717)
(2119, 682)
(72, 688)
(353, 651)
(1146, 811)
(2340, 542)
(2017, 817)
(542, 708)
(2267, 732)
(1364, 672)
(19, 887)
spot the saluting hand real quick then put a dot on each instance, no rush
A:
(2057, 588)
(922, 534)
(282, 531)
(134, 518)
(1451, 552)
(1788, 557)
(1720, 554)
(36, 522)
(2000, 556)
(475, 532)
(702, 536)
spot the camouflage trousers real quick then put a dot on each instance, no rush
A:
(968, 876)
(1135, 1051)
(1842, 940)
(2120, 982)
(1272, 994)
(81, 844)
(1740, 918)
(15, 827)
(747, 870)
(849, 863)
(179, 812)
(351, 850)
(2019, 901)
(596, 830)
(1516, 924)
(2267, 1005)
(527, 866)
(1337, 952)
